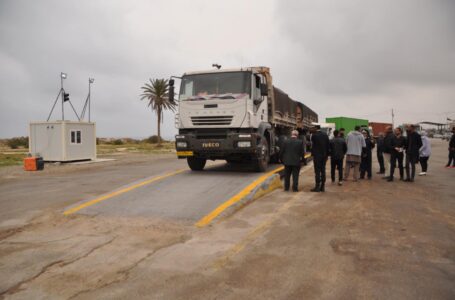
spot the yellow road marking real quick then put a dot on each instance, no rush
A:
(217, 211)
(119, 192)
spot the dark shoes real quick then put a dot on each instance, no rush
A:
(390, 179)
(316, 190)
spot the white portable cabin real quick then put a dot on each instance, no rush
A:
(63, 140)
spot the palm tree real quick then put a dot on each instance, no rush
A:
(156, 93)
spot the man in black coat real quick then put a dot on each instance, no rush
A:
(380, 152)
(291, 155)
(414, 142)
(338, 149)
(320, 151)
(399, 144)
(366, 162)
(451, 163)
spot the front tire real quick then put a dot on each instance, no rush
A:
(263, 156)
(196, 163)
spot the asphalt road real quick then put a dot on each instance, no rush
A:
(187, 195)
(25, 195)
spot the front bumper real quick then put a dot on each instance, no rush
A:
(216, 148)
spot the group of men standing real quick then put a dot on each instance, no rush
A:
(393, 149)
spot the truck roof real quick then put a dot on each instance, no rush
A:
(226, 70)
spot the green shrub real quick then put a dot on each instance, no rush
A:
(17, 142)
(117, 142)
(131, 141)
(152, 139)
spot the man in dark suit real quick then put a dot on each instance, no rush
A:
(338, 149)
(320, 148)
(380, 152)
(291, 155)
(451, 163)
(414, 142)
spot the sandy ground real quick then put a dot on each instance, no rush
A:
(365, 240)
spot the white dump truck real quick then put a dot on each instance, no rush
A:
(235, 115)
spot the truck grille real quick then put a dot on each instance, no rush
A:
(212, 120)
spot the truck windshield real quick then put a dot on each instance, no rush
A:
(228, 85)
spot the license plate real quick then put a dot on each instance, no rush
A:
(185, 153)
(211, 145)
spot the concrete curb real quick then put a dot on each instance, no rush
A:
(269, 185)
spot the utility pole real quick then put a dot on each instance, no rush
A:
(62, 76)
(88, 101)
(393, 119)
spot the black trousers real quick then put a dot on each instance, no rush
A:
(381, 161)
(336, 164)
(410, 163)
(294, 171)
(396, 157)
(451, 158)
(319, 170)
(424, 163)
(365, 166)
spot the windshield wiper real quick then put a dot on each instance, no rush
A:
(197, 98)
(225, 96)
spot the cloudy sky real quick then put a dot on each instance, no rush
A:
(355, 58)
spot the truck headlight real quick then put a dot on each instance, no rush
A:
(181, 144)
(244, 135)
(244, 144)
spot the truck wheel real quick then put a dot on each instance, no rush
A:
(196, 163)
(263, 156)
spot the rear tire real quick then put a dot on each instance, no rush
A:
(263, 156)
(196, 163)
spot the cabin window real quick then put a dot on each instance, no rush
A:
(76, 137)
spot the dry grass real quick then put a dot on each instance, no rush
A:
(136, 148)
(12, 157)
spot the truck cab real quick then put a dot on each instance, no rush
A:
(233, 115)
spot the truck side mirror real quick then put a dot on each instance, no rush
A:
(171, 90)
(264, 89)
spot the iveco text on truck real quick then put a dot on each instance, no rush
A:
(235, 115)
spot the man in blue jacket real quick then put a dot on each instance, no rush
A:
(355, 142)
